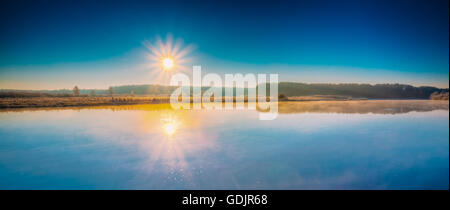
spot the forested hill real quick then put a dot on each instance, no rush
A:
(287, 88)
(358, 90)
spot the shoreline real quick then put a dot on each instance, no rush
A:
(376, 106)
(60, 102)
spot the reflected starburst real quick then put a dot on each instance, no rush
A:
(168, 140)
(167, 58)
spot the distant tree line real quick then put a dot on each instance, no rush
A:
(286, 89)
(359, 90)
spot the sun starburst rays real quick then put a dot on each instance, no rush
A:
(167, 58)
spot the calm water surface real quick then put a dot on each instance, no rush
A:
(138, 147)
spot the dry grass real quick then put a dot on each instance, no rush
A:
(77, 101)
(34, 102)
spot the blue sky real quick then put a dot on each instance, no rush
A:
(59, 44)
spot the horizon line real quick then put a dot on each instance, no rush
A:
(155, 84)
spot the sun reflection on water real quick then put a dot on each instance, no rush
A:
(169, 129)
(170, 125)
(166, 140)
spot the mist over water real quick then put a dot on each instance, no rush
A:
(154, 147)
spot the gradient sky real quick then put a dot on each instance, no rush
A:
(59, 44)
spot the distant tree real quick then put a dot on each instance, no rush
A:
(111, 92)
(76, 91)
(282, 97)
(132, 93)
(93, 93)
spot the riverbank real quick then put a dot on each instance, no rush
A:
(284, 107)
(49, 102)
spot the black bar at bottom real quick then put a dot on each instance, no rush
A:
(243, 199)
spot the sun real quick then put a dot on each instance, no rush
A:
(167, 63)
(166, 58)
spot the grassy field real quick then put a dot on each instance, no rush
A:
(30, 102)
(33, 100)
